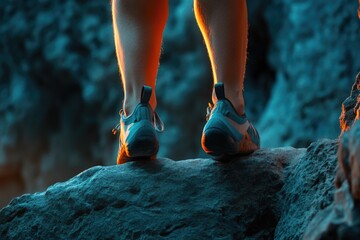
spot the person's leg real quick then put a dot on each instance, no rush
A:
(138, 28)
(224, 26)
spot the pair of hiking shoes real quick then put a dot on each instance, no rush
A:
(226, 133)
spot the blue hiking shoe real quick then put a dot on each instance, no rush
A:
(227, 133)
(138, 138)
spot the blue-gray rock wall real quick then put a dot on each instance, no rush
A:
(314, 52)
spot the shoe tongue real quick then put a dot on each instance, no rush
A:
(220, 91)
(145, 94)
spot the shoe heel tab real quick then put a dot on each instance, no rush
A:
(219, 91)
(145, 94)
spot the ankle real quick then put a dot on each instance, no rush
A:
(239, 106)
(130, 103)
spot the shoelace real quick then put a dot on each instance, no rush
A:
(157, 122)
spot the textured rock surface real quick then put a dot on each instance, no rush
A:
(309, 187)
(274, 193)
(349, 148)
(349, 160)
(350, 106)
(270, 194)
(348, 152)
(340, 220)
(162, 199)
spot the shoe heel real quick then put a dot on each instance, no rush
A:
(218, 144)
(144, 147)
(143, 144)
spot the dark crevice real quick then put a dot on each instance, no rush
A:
(171, 228)
(263, 221)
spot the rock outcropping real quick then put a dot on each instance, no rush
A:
(351, 107)
(271, 193)
(341, 219)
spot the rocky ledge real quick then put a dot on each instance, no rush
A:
(273, 193)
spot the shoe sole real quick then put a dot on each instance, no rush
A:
(145, 147)
(218, 145)
(222, 147)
